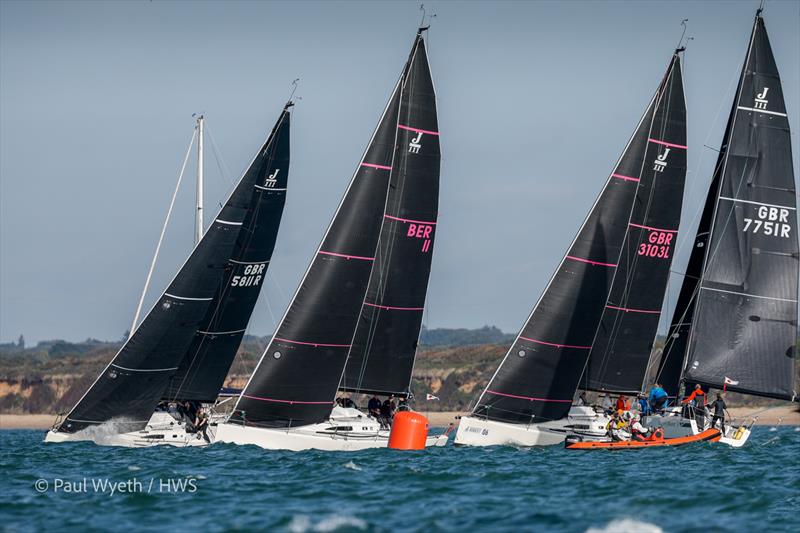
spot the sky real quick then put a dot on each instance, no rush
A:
(536, 102)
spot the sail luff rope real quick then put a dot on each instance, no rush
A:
(161, 237)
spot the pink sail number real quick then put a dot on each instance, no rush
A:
(421, 231)
(658, 244)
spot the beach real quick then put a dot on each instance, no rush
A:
(786, 415)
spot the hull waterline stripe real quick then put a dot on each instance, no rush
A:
(628, 310)
(626, 178)
(652, 228)
(410, 220)
(228, 222)
(347, 256)
(750, 295)
(757, 203)
(285, 401)
(187, 298)
(671, 145)
(556, 345)
(221, 332)
(144, 369)
(248, 262)
(391, 308)
(762, 111)
(594, 263)
(527, 397)
(314, 344)
(409, 128)
(379, 167)
(269, 188)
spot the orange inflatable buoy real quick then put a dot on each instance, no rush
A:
(409, 431)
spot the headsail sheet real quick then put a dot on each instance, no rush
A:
(621, 351)
(203, 368)
(744, 331)
(384, 346)
(131, 386)
(540, 373)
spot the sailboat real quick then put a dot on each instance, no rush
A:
(735, 323)
(355, 319)
(597, 302)
(183, 348)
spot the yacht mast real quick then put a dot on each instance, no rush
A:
(198, 223)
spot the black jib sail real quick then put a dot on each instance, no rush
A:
(131, 386)
(385, 343)
(540, 373)
(744, 329)
(621, 351)
(206, 363)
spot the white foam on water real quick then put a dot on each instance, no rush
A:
(327, 524)
(773, 428)
(106, 432)
(134, 468)
(352, 466)
(626, 525)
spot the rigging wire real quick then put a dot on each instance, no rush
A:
(161, 237)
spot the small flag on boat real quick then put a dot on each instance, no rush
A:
(728, 381)
(430, 397)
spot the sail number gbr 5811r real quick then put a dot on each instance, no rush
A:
(771, 221)
(252, 276)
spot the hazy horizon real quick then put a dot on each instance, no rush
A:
(536, 101)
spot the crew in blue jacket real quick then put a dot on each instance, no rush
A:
(658, 397)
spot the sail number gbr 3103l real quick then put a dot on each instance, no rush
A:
(658, 244)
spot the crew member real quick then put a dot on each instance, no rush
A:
(658, 397)
(719, 412)
(623, 404)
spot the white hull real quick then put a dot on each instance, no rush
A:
(161, 430)
(345, 430)
(675, 425)
(582, 420)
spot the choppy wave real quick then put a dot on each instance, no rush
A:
(502, 489)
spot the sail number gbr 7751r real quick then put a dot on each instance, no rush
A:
(771, 221)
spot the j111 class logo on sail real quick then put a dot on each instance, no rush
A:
(272, 179)
(660, 162)
(415, 144)
(761, 99)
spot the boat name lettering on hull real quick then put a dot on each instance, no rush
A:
(252, 276)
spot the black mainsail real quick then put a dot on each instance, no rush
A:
(130, 387)
(621, 350)
(743, 321)
(381, 358)
(538, 377)
(297, 378)
(205, 365)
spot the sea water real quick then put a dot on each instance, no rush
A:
(709, 487)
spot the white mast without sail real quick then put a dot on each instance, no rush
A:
(198, 222)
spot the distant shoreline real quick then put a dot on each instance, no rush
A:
(788, 414)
